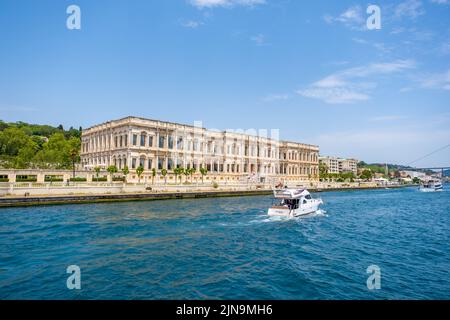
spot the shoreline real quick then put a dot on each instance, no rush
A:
(11, 202)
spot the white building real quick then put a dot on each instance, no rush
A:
(339, 165)
(158, 145)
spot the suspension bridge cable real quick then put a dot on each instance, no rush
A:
(430, 154)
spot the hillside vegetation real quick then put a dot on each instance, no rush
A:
(24, 145)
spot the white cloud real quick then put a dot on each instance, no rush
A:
(334, 95)
(192, 24)
(393, 145)
(225, 3)
(441, 1)
(259, 39)
(351, 85)
(379, 46)
(275, 97)
(353, 18)
(13, 108)
(445, 48)
(387, 118)
(436, 81)
(409, 9)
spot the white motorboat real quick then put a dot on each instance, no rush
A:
(431, 186)
(294, 203)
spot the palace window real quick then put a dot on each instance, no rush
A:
(195, 145)
(134, 139)
(142, 162)
(150, 141)
(161, 142)
(170, 142)
(169, 164)
(180, 144)
(133, 163)
(149, 164)
(142, 140)
(160, 163)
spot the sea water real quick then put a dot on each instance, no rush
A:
(228, 248)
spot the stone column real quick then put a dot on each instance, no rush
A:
(40, 177)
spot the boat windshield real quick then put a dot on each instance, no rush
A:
(290, 203)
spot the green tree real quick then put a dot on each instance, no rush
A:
(112, 170)
(187, 173)
(12, 140)
(26, 154)
(191, 172)
(139, 172)
(203, 172)
(164, 174)
(74, 156)
(176, 172)
(323, 168)
(125, 172)
(153, 175)
(366, 175)
(97, 172)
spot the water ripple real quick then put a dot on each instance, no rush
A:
(230, 249)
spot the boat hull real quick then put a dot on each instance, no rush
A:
(285, 212)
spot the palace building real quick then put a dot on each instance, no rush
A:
(159, 145)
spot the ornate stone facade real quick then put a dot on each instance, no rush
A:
(153, 144)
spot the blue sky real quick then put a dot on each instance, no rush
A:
(310, 69)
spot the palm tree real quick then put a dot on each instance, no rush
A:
(125, 172)
(139, 172)
(97, 171)
(203, 172)
(153, 175)
(164, 174)
(112, 169)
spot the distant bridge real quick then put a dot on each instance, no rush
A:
(432, 169)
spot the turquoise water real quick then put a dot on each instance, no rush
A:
(229, 249)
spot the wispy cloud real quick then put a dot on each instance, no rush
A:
(353, 84)
(436, 81)
(275, 97)
(191, 24)
(409, 9)
(441, 1)
(388, 144)
(353, 18)
(11, 108)
(259, 39)
(379, 46)
(387, 118)
(225, 3)
(445, 48)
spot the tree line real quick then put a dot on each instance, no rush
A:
(24, 146)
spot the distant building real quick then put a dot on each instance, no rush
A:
(340, 165)
(413, 174)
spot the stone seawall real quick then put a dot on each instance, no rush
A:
(122, 197)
